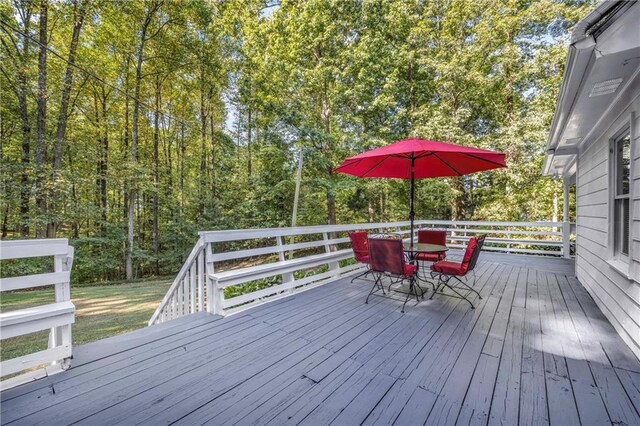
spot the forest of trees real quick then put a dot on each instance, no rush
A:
(129, 125)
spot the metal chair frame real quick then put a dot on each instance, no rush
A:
(368, 270)
(395, 278)
(444, 279)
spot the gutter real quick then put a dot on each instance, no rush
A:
(579, 60)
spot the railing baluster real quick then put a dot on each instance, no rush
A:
(192, 288)
(201, 278)
(199, 286)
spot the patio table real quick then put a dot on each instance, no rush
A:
(415, 248)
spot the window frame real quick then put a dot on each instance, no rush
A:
(616, 235)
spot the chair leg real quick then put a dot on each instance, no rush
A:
(441, 284)
(376, 283)
(421, 290)
(406, 299)
(416, 286)
(468, 286)
(364, 274)
(444, 282)
(460, 294)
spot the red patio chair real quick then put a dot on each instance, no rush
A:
(386, 259)
(445, 270)
(431, 236)
(360, 246)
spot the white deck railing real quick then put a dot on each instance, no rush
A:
(229, 271)
(56, 317)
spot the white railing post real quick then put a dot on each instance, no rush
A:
(286, 277)
(56, 317)
(333, 266)
(318, 247)
(215, 295)
(202, 277)
(566, 239)
(566, 227)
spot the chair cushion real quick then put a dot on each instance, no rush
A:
(432, 236)
(363, 259)
(449, 268)
(410, 269)
(430, 257)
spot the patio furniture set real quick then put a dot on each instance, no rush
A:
(399, 261)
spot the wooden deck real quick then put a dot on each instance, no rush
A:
(536, 350)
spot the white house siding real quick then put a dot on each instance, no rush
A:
(617, 296)
(635, 196)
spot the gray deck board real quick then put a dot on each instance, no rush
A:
(535, 350)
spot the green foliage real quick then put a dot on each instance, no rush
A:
(241, 92)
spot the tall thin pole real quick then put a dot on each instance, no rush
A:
(296, 197)
(412, 213)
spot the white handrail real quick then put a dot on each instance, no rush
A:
(233, 259)
(57, 317)
(190, 281)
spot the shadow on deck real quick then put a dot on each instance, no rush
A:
(536, 350)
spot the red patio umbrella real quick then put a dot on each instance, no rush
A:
(420, 158)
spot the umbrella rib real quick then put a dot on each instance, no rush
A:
(350, 164)
(448, 165)
(426, 154)
(483, 159)
(374, 166)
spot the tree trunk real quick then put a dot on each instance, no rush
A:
(26, 159)
(204, 116)
(103, 160)
(79, 12)
(18, 52)
(156, 173)
(61, 129)
(249, 124)
(458, 208)
(125, 142)
(134, 136)
(41, 144)
(181, 153)
(331, 200)
(213, 160)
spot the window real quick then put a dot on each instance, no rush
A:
(622, 169)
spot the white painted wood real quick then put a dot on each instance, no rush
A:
(238, 276)
(36, 359)
(30, 376)
(238, 300)
(19, 249)
(201, 275)
(56, 317)
(192, 287)
(248, 234)
(616, 295)
(37, 280)
(519, 236)
(195, 252)
(27, 318)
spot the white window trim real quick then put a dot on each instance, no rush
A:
(624, 265)
(618, 261)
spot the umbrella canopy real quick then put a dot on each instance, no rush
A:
(420, 158)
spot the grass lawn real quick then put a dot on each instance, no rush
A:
(101, 311)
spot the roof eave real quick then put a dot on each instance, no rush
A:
(579, 60)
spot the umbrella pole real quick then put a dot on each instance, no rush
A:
(412, 212)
